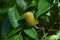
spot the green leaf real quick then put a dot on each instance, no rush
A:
(43, 6)
(21, 3)
(53, 37)
(45, 17)
(16, 37)
(31, 4)
(3, 11)
(13, 16)
(14, 31)
(58, 33)
(21, 38)
(32, 33)
(16, 14)
(22, 17)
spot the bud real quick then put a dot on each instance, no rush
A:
(30, 19)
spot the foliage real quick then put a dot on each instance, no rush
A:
(46, 14)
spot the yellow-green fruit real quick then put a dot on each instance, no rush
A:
(30, 19)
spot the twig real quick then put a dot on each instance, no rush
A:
(43, 31)
(26, 38)
(44, 36)
(20, 32)
(41, 28)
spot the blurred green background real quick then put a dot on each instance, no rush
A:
(13, 25)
